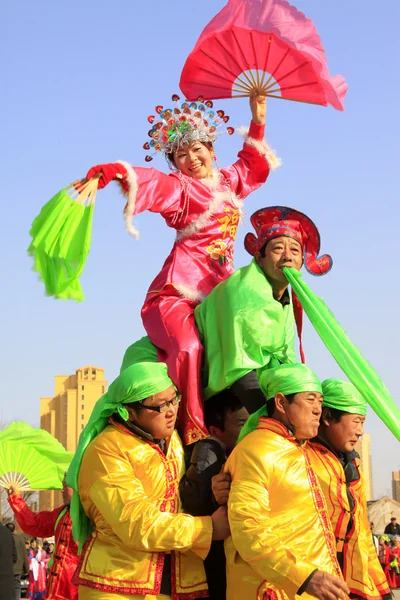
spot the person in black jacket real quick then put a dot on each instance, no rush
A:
(392, 528)
(8, 556)
(224, 417)
(21, 566)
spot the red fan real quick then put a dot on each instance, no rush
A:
(265, 47)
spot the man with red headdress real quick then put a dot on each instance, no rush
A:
(247, 322)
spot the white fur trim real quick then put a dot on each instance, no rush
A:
(262, 148)
(129, 209)
(213, 181)
(189, 293)
(218, 197)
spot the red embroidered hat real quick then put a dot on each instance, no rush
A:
(276, 221)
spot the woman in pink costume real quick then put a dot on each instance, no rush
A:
(204, 206)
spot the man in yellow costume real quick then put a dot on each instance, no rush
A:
(282, 538)
(125, 507)
(337, 465)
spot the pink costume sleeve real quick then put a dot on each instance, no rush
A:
(256, 160)
(150, 189)
(35, 524)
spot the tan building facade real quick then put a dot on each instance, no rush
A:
(66, 413)
(363, 447)
(396, 485)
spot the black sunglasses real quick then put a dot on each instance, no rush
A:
(162, 408)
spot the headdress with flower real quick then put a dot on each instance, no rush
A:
(187, 123)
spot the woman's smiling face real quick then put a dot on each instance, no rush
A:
(194, 160)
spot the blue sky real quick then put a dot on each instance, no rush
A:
(80, 79)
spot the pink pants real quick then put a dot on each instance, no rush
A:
(170, 325)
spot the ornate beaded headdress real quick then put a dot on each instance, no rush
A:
(186, 123)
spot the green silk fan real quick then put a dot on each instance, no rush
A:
(61, 236)
(31, 459)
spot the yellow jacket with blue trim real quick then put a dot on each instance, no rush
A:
(129, 490)
(278, 517)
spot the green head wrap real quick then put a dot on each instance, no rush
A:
(137, 382)
(342, 395)
(286, 379)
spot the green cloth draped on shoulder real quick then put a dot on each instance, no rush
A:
(242, 328)
(349, 358)
(137, 382)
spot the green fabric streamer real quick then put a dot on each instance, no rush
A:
(286, 379)
(242, 328)
(349, 358)
(61, 237)
(135, 383)
(342, 395)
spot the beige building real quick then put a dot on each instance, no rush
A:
(65, 414)
(396, 485)
(363, 447)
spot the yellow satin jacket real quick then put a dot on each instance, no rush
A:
(361, 568)
(278, 517)
(129, 489)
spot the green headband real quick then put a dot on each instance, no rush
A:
(342, 395)
(286, 379)
(135, 383)
(289, 379)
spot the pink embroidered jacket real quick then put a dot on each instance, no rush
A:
(205, 214)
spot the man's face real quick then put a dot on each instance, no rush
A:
(280, 252)
(344, 435)
(66, 493)
(303, 414)
(159, 425)
(234, 421)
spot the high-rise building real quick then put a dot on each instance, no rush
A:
(66, 413)
(363, 447)
(396, 485)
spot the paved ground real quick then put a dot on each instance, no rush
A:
(396, 594)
